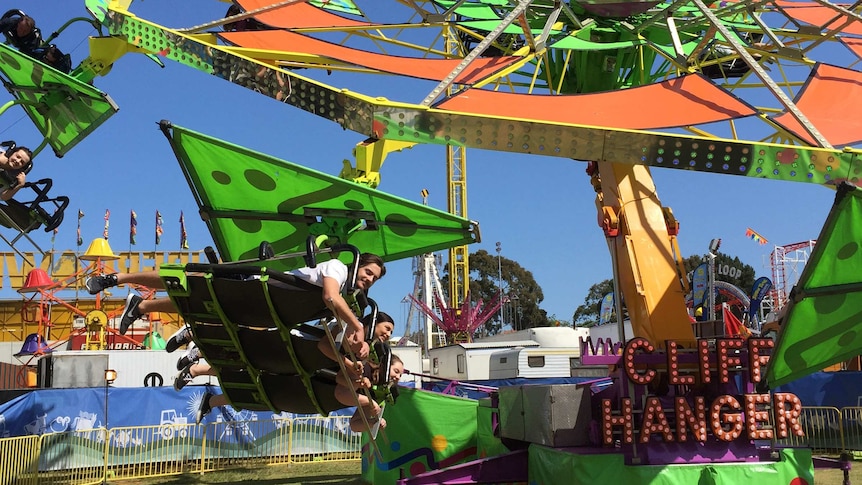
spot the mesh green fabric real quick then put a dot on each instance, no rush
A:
(424, 431)
(553, 466)
(247, 197)
(64, 109)
(824, 309)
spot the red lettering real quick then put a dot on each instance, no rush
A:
(755, 360)
(703, 357)
(787, 417)
(629, 360)
(624, 420)
(719, 418)
(673, 366)
(725, 360)
(654, 421)
(695, 420)
(755, 414)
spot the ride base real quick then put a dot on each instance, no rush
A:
(639, 425)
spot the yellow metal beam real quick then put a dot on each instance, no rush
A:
(645, 252)
(369, 156)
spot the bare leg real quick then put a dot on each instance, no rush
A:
(371, 413)
(149, 279)
(218, 400)
(201, 369)
(157, 305)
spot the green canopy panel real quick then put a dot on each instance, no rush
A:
(246, 197)
(821, 325)
(64, 109)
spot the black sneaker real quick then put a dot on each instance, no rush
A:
(184, 377)
(95, 284)
(178, 339)
(130, 313)
(192, 355)
(204, 407)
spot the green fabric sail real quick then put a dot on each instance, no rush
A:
(64, 109)
(550, 466)
(424, 431)
(247, 197)
(821, 326)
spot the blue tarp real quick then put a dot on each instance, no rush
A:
(469, 388)
(61, 410)
(835, 389)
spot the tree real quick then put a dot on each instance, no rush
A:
(727, 269)
(730, 270)
(587, 315)
(517, 282)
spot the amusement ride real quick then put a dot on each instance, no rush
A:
(742, 88)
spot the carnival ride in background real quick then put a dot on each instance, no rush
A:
(555, 78)
(43, 296)
(455, 324)
(734, 88)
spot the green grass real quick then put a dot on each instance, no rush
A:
(830, 476)
(339, 472)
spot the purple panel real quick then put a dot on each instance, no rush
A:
(510, 467)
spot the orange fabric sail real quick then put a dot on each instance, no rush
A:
(683, 101)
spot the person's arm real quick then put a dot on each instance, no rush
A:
(344, 394)
(332, 298)
(325, 347)
(10, 192)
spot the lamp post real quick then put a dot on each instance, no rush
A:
(110, 377)
(500, 281)
(516, 307)
(713, 251)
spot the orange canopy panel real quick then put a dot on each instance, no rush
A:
(298, 15)
(683, 101)
(854, 44)
(433, 69)
(835, 115)
(818, 15)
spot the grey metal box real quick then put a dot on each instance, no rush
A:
(550, 415)
(76, 370)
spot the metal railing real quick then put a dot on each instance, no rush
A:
(99, 455)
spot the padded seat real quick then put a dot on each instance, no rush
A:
(250, 325)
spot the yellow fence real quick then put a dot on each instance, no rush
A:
(99, 455)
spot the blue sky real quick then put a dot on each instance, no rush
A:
(540, 209)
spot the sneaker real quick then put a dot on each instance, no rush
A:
(178, 339)
(204, 407)
(192, 356)
(95, 284)
(130, 313)
(184, 377)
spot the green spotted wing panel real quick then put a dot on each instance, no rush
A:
(247, 197)
(824, 314)
(64, 109)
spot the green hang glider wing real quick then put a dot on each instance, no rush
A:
(823, 321)
(64, 109)
(247, 197)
